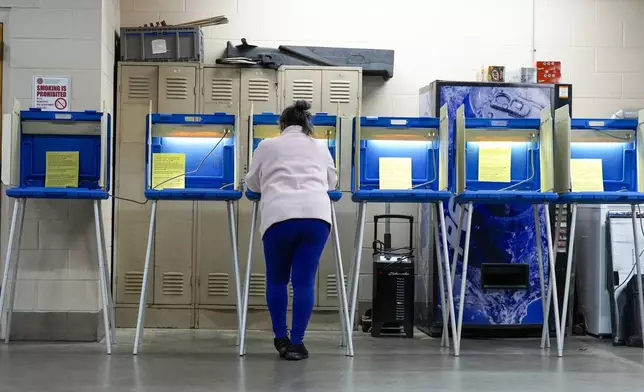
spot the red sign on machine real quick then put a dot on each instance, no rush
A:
(548, 71)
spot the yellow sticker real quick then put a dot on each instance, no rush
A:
(395, 173)
(586, 175)
(495, 163)
(61, 169)
(168, 171)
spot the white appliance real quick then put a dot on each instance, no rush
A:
(590, 261)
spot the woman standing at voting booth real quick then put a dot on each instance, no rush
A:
(293, 173)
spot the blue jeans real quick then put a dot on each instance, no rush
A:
(292, 250)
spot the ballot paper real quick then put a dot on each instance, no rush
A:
(494, 163)
(395, 173)
(168, 171)
(61, 170)
(586, 175)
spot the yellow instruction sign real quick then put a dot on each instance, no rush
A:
(61, 170)
(586, 175)
(168, 171)
(395, 173)
(495, 163)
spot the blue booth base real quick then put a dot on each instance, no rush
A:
(193, 194)
(506, 197)
(254, 196)
(601, 198)
(57, 193)
(410, 196)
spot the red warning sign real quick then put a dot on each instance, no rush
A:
(52, 93)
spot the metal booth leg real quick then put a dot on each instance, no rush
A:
(638, 268)
(448, 273)
(351, 272)
(553, 277)
(459, 228)
(340, 286)
(337, 257)
(249, 262)
(146, 273)
(108, 281)
(233, 237)
(362, 215)
(441, 278)
(16, 228)
(102, 273)
(542, 282)
(353, 257)
(461, 301)
(545, 331)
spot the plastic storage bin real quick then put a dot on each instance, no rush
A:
(162, 44)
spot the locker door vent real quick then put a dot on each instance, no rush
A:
(257, 285)
(133, 282)
(176, 87)
(332, 286)
(173, 283)
(139, 87)
(258, 89)
(218, 284)
(340, 91)
(222, 90)
(303, 90)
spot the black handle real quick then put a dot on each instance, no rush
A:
(405, 217)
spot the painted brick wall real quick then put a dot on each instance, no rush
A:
(58, 269)
(600, 42)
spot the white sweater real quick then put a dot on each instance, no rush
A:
(293, 172)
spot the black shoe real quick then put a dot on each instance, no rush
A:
(281, 345)
(296, 352)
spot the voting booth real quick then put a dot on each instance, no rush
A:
(598, 161)
(505, 161)
(190, 157)
(326, 130)
(401, 160)
(59, 155)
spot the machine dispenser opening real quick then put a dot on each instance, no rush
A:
(499, 276)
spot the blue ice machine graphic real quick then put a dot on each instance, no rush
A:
(507, 229)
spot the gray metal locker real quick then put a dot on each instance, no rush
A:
(137, 86)
(301, 84)
(221, 90)
(259, 92)
(333, 90)
(341, 88)
(341, 94)
(177, 89)
(172, 89)
(174, 234)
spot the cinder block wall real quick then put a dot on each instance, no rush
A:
(57, 293)
(600, 42)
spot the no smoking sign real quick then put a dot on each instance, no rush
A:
(60, 104)
(52, 93)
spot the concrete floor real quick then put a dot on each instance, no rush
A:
(207, 361)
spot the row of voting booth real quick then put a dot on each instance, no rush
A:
(395, 160)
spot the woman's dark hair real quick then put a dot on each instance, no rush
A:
(297, 114)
